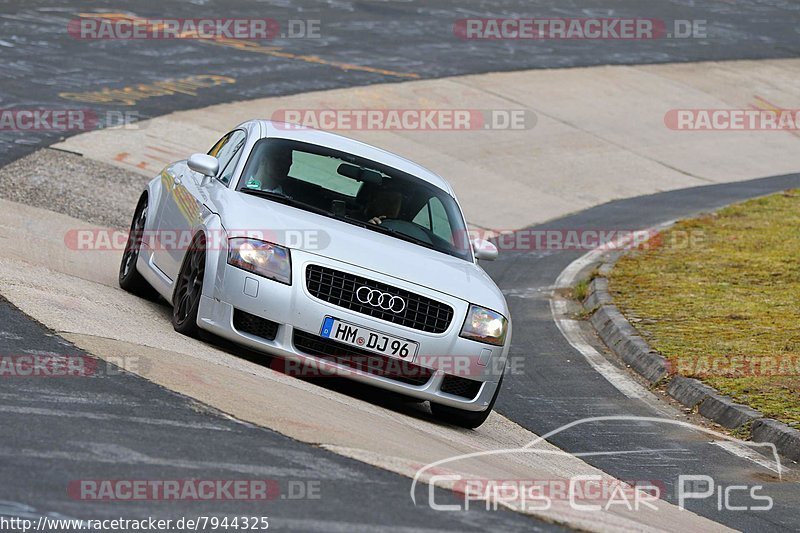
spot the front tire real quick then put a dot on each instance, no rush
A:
(189, 290)
(129, 277)
(462, 418)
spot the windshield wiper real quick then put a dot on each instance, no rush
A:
(412, 239)
(286, 199)
(268, 194)
(388, 231)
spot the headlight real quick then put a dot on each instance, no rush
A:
(485, 325)
(262, 258)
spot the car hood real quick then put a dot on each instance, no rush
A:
(327, 237)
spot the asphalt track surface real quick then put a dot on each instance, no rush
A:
(381, 41)
(43, 449)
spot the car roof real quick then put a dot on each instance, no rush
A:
(295, 132)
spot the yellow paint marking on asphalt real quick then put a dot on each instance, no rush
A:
(274, 51)
(106, 15)
(765, 105)
(131, 95)
(252, 46)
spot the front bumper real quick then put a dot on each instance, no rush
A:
(299, 316)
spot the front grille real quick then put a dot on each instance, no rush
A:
(254, 325)
(339, 288)
(376, 364)
(458, 386)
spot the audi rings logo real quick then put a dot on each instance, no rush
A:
(382, 300)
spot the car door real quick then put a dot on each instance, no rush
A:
(184, 201)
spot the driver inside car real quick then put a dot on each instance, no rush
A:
(383, 204)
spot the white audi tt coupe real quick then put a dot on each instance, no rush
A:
(338, 257)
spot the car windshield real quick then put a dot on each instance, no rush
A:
(358, 191)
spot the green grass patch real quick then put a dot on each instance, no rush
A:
(719, 296)
(581, 289)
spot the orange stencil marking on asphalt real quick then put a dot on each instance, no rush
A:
(123, 156)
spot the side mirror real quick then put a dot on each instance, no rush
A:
(205, 164)
(484, 250)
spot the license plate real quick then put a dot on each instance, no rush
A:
(368, 339)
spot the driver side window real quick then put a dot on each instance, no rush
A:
(227, 151)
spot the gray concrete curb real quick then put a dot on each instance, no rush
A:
(786, 439)
(620, 336)
(623, 339)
